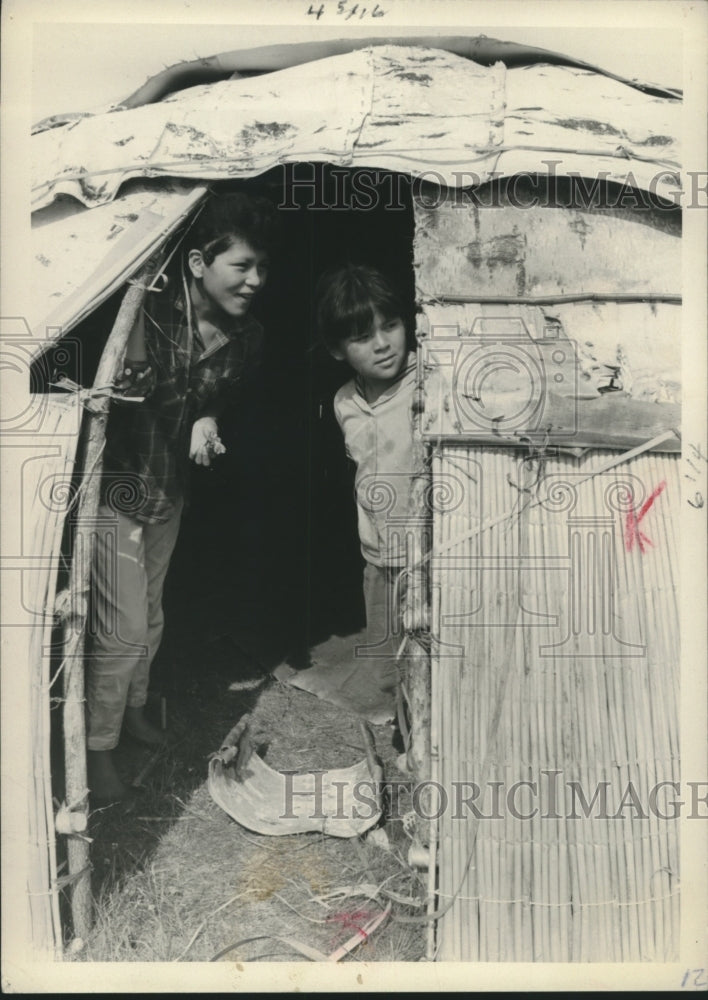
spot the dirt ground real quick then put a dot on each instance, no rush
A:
(176, 879)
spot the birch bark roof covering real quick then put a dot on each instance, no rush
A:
(405, 109)
(81, 257)
(416, 110)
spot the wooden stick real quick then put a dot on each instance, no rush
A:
(361, 935)
(149, 765)
(75, 627)
(370, 746)
(435, 763)
(417, 665)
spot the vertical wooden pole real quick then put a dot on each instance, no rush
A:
(417, 610)
(417, 657)
(76, 791)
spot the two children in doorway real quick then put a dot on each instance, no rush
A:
(189, 349)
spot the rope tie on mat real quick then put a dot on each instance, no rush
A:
(571, 902)
(625, 456)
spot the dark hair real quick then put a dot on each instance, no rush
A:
(228, 217)
(346, 300)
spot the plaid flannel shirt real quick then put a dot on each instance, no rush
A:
(146, 462)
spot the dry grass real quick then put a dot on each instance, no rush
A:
(178, 880)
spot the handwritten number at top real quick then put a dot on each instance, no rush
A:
(348, 10)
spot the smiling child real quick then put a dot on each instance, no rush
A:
(190, 348)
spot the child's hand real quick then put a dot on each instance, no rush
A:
(205, 443)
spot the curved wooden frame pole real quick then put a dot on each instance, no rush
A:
(76, 791)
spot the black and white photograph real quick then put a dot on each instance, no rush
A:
(354, 482)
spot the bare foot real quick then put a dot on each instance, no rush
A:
(137, 726)
(103, 779)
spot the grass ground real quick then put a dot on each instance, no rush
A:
(176, 879)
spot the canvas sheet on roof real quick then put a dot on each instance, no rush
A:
(387, 107)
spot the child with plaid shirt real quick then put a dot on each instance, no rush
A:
(187, 353)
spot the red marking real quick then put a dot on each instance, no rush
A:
(632, 533)
(352, 921)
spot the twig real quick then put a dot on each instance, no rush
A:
(191, 811)
(312, 953)
(403, 900)
(370, 748)
(263, 846)
(151, 763)
(303, 916)
(164, 819)
(361, 935)
(64, 880)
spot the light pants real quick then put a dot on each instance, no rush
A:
(383, 622)
(383, 616)
(130, 563)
